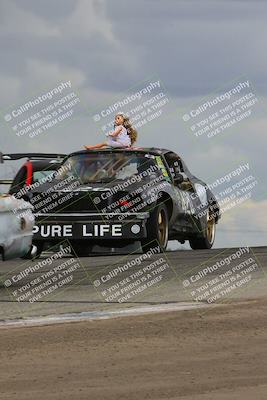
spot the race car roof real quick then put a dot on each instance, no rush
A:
(145, 150)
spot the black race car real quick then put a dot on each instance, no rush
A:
(115, 197)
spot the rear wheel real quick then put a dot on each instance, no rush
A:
(206, 242)
(157, 229)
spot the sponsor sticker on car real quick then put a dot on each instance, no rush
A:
(86, 230)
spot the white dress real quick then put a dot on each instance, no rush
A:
(121, 140)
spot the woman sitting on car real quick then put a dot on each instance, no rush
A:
(124, 135)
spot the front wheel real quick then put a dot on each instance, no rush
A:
(39, 248)
(205, 242)
(157, 229)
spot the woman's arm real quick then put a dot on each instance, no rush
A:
(116, 132)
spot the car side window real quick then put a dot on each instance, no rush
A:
(174, 163)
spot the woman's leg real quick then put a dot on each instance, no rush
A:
(96, 146)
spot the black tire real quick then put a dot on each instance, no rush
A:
(205, 242)
(40, 247)
(81, 249)
(157, 229)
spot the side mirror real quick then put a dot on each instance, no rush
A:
(178, 179)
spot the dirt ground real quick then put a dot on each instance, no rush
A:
(216, 355)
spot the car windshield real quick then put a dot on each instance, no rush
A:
(107, 167)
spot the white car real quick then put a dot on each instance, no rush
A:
(16, 225)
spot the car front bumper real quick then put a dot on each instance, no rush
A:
(90, 226)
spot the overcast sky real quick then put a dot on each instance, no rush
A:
(108, 49)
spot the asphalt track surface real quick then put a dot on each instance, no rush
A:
(117, 282)
(217, 352)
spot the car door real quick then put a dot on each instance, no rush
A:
(200, 196)
(184, 191)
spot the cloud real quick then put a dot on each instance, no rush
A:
(201, 46)
(243, 225)
(10, 86)
(15, 21)
(53, 73)
(89, 18)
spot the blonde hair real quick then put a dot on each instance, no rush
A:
(132, 132)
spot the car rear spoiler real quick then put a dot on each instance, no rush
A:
(30, 156)
(7, 182)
